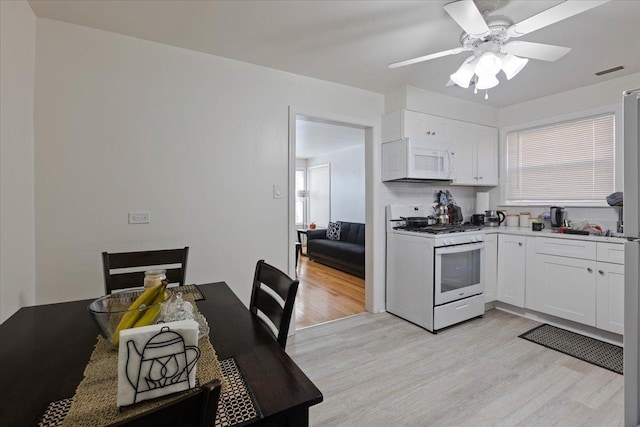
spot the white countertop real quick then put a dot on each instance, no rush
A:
(526, 231)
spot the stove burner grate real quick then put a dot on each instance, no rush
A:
(441, 229)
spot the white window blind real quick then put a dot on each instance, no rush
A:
(570, 162)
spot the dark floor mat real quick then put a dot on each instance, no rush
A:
(589, 349)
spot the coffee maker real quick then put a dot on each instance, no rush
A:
(557, 215)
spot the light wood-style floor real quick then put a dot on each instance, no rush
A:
(326, 294)
(378, 370)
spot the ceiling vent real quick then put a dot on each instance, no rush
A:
(610, 70)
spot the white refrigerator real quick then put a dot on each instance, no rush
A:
(631, 119)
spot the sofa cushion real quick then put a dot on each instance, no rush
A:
(349, 252)
(333, 231)
(352, 232)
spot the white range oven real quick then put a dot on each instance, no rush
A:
(435, 274)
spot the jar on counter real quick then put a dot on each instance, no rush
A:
(524, 219)
(153, 278)
(512, 220)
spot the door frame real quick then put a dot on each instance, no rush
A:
(374, 282)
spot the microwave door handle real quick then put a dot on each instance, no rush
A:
(451, 158)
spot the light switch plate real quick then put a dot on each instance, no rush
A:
(139, 218)
(277, 191)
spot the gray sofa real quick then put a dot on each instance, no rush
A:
(346, 254)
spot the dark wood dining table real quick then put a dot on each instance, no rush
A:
(44, 350)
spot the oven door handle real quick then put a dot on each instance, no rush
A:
(459, 248)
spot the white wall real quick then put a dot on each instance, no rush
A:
(17, 227)
(347, 183)
(124, 124)
(412, 98)
(581, 99)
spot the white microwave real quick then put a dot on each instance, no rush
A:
(412, 159)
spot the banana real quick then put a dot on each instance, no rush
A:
(132, 315)
(151, 314)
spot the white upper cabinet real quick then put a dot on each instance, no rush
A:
(475, 146)
(411, 124)
(476, 151)
(424, 126)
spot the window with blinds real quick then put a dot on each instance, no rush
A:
(570, 162)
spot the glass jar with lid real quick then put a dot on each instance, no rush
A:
(153, 278)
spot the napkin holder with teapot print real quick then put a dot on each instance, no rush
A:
(157, 360)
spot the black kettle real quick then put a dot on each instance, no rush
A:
(557, 215)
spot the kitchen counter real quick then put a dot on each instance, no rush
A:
(526, 231)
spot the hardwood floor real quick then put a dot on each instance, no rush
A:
(326, 294)
(378, 370)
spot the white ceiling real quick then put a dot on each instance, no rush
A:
(351, 42)
(315, 138)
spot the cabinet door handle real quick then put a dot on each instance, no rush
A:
(590, 270)
(479, 177)
(601, 272)
(519, 243)
(428, 132)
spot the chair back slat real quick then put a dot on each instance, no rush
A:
(268, 282)
(147, 258)
(269, 307)
(114, 280)
(136, 279)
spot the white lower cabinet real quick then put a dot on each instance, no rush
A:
(511, 269)
(579, 281)
(610, 297)
(490, 267)
(566, 287)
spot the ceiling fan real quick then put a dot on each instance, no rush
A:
(489, 38)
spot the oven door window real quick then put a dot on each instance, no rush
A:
(458, 272)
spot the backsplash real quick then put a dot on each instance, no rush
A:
(407, 192)
(605, 217)
(425, 193)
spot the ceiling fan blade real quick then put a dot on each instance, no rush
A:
(543, 52)
(467, 15)
(454, 51)
(550, 16)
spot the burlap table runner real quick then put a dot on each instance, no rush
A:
(94, 403)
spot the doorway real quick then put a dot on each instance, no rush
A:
(330, 186)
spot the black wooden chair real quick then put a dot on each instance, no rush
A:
(272, 299)
(142, 261)
(197, 409)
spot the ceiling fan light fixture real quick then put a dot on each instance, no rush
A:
(462, 77)
(488, 66)
(487, 82)
(512, 65)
